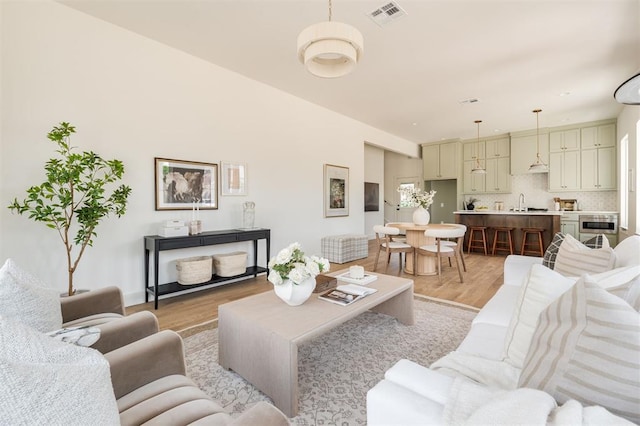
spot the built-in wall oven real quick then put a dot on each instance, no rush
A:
(598, 224)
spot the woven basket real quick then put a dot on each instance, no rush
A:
(194, 270)
(230, 264)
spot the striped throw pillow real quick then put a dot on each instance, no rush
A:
(551, 253)
(587, 347)
(575, 259)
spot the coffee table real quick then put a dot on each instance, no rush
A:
(259, 335)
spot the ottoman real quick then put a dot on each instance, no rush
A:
(345, 248)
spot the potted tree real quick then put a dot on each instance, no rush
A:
(73, 199)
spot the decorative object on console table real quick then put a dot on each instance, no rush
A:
(180, 184)
(234, 178)
(74, 197)
(293, 274)
(248, 214)
(336, 191)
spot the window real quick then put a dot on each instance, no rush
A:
(404, 199)
(625, 180)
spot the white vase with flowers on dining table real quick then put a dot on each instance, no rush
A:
(422, 200)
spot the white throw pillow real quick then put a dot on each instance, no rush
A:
(24, 299)
(47, 382)
(587, 347)
(575, 259)
(541, 287)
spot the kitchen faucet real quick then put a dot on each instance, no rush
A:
(521, 202)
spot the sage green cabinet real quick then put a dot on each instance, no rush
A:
(524, 149)
(598, 169)
(598, 136)
(498, 178)
(473, 150)
(473, 183)
(564, 140)
(497, 148)
(564, 171)
(440, 161)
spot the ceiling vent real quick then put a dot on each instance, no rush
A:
(387, 13)
(469, 101)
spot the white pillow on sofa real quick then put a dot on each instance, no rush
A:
(575, 259)
(25, 299)
(48, 382)
(541, 287)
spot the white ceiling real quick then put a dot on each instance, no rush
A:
(512, 55)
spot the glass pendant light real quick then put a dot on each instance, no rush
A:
(478, 169)
(538, 166)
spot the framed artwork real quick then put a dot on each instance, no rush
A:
(371, 197)
(233, 177)
(185, 185)
(336, 191)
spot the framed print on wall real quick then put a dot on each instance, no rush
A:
(371, 197)
(336, 191)
(233, 177)
(180, 185)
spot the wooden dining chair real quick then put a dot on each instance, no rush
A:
(385, 239)
(440, 250)
(453, 242)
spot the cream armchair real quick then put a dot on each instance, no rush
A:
(104, 309)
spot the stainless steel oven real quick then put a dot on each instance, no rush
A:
(598, 224)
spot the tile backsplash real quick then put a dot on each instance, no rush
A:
(535, 189)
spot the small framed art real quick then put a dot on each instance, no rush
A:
(183, 185)
(233, 177)
(336, 191)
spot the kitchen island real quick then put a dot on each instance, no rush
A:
(547, 220)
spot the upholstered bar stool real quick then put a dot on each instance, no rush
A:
(502, 245)
(534, 247)
(481, 242)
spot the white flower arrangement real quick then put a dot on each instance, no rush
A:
(414, 197)
(291, 263)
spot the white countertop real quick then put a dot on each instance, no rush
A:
(532, 213)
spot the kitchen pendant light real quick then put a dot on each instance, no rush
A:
(538, 166)
(478, 169)
(629, 92)
(330, 49)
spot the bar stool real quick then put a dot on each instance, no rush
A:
(534, 247)
(480, 243)
(506, 245)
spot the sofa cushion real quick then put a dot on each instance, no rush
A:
(423, 381)
(585, 347)
(549, 259)
(575, 259)
(499, 309)
(25, 299)
(485, 340)
(391, 404)
(628, 252)
(542, 287)
(48, 382)
(516, 268)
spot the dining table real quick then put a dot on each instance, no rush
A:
(426, 265)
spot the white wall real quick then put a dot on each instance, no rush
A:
(134, 99)
(374, 172)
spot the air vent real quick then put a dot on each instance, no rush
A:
(387, 13)
(469, 101)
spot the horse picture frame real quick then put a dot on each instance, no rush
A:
(185, 185)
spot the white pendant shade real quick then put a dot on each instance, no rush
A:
(629, 92)
(330, 49)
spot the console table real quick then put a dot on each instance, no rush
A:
(157, 244)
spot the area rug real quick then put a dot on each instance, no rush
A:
(338, 368)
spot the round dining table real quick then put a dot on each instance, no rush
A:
(415, 237)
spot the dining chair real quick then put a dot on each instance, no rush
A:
(453, 242)
(440, 250)
(385, 238)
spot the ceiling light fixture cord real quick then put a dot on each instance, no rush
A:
(478, 169)
(330, 11)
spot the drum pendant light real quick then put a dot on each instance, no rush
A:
(330, 49)
(478, 169)
(538, 166)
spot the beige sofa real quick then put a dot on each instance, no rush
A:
(151, 387)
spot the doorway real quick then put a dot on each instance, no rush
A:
(445, 200)
(404, 214)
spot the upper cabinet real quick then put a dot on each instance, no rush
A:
(525, 148)
(598, 136)
(440, 161)
(564, 140)
(497, 148)
(471, 151)
(494, 157)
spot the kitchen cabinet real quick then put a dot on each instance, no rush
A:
(524, 144)
(601, 136)
(473, 183)
(498, 178)
(570, 224)
(440, 161)
(564, 171)
(564, 140)
(598, 169)
(473, 150)
(497, 148)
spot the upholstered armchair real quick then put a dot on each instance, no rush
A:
(104, 309)
(150, 385)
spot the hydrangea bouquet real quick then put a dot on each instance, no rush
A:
(414, 197)
(291, 263)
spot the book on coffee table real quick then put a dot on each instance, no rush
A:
(346, 294)
(366, 279)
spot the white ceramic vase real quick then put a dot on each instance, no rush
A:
(421, 216)
(295, 294)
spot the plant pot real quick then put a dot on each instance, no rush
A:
(295, 294)
(421, 216)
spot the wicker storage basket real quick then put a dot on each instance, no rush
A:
(230, 264)
(194, 270)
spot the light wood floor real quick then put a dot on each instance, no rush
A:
(482, 280)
